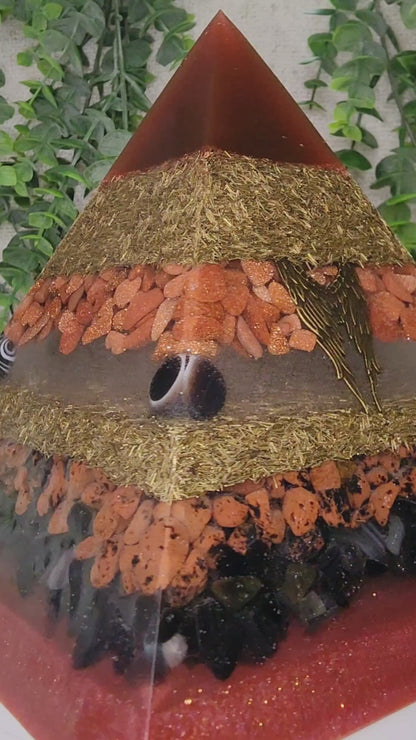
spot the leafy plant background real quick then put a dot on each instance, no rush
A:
(360, 59)
(88, 93)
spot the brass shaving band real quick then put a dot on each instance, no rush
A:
(215, 206)
(353, 314)
(174, 459)
(320, 312)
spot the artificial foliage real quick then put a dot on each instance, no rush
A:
(358, 51)
(88, 71)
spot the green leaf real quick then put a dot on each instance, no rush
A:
(98, 170)
(370, 112)
(6, 110)
(315, 83)
(361, 95)
(26, 110)
(21, 189)
(50, 68)
(368, 139)
(6, 144)
(343, 111)
(136, 11)
(2, 78)
(48, 191)
(52, 11)
(40, 220)
(352, 132)
(351, 36)
(408, 13)
(170, 18)
(410, 111)
(407, 235)
(8, 175)
(395, 214)
(66, 170)
(373, 19)
(92, 19)
(45, 247)
(353, 159)
(344, 4)
(136, 54)
(401, 199)
(323, 11)
(311, 104)
(169, 51)
(24, 58)
(321, 45)
(112, 144)
(24, 170)
(54, 41)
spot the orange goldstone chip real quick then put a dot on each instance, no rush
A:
(247, 339)
(281, 298)
(325, 476)
(190, 580)
(126, 291)
(245, 298)
(408, 321)
(206, 283)
(395, 286)
(278, 343)
(228, 512)
(302, 339)
(300, 510)
(382, 499)
(160, 555)
(101, 324)
(259, 273)
(235, 299)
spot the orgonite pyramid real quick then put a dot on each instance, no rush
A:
(209, 427)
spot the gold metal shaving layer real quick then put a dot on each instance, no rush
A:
(214, 206)
(354, 315)
(320, 312)
(180, 458)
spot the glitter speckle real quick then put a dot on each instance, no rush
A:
(187, 702)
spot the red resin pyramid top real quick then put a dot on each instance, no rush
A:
(224, 97)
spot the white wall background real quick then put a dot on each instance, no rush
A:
(277, 28)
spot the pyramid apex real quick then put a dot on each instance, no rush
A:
(224, 97)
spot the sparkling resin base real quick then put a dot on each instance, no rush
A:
(217, 579)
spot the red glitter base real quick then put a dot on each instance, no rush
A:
(353, 670)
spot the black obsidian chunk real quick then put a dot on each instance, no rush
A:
(218, 638)
(235, 592)
(263, 623)
(169, 625)
(342, 569)
(119, 642)
(229, 562)
(79, 520)
(90, 644)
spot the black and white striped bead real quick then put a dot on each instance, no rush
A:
(7, 355)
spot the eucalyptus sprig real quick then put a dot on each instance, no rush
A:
(359, 49)
(89, 94)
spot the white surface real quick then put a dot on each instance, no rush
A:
(10, 728)
(281, 38)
